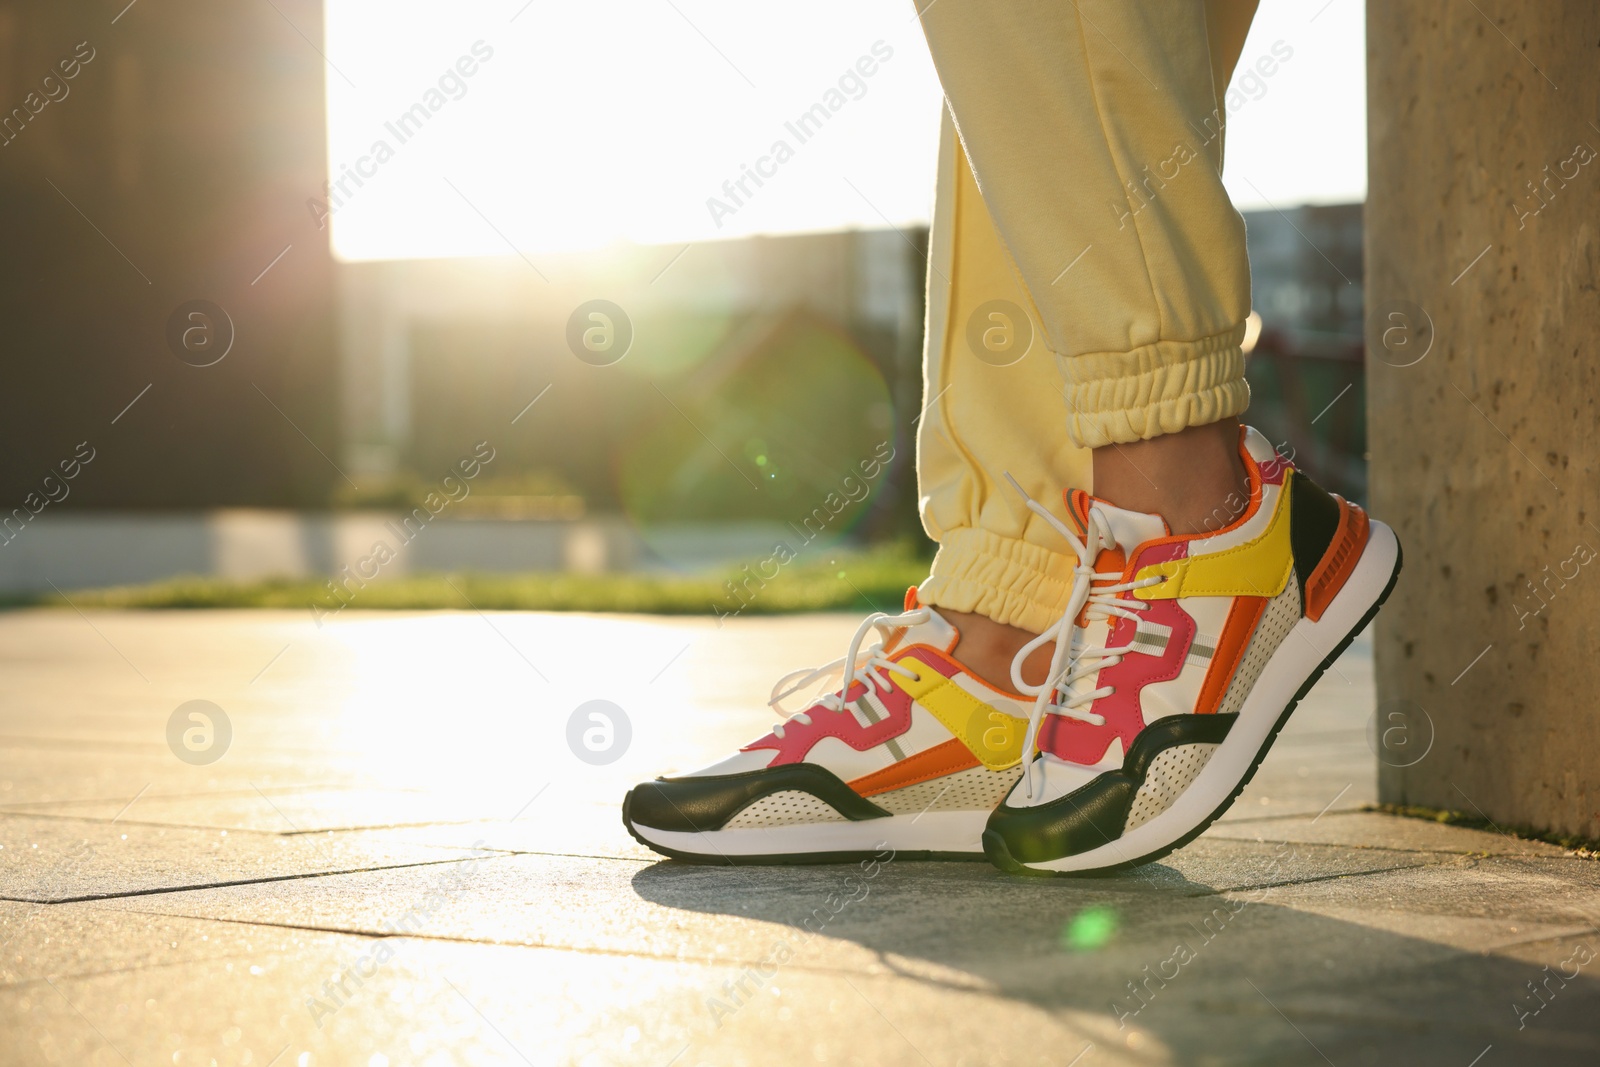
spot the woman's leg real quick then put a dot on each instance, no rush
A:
(1000, 575)
(1085, 188)
(1133, 283)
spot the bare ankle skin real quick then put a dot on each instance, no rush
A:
(1187, 477)
(1194, 479)
(987, 648)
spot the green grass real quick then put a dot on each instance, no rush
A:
(851, 582)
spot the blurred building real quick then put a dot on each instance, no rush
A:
(1306, 372)
(1305, 266)
(148, 159)
(438, 354)
(156, 156)
(435, 348)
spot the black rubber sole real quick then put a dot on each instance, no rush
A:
(994, 846)
(788, 859)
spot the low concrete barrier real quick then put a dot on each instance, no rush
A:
(84, 550)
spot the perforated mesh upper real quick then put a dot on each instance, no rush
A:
(1283, 611)
(786, 808)
(1170, 773)
(974, 789)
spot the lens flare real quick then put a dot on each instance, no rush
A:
(782, 433)
(1090, 929)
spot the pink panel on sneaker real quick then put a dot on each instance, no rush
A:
(1085, 743)
(1165, 552)
(798, 737)
(1274, 470)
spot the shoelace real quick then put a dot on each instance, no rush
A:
(871, 672)
(1069, 663)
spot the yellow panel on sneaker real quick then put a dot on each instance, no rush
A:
(992, 735)
(1261, 566)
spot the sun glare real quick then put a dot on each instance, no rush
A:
(488, 128)
(472, 129)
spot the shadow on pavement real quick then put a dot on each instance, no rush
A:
(1151, 958)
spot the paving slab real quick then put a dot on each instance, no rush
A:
(679, 911)
(52, 770)
(1365, 829)
(40, 941)
(285, 811)
(583, 828)
(1235, 998)
(1561, 892)
(53, 860)
(375, 759)
(351, 1001)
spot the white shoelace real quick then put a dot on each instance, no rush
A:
(1070, 663)
(872, 672)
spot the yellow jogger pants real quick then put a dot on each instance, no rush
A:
(1087, 281)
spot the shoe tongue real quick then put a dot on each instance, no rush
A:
(1130, 528)
(937, 631)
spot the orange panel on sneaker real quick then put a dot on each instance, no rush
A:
(1175, 670)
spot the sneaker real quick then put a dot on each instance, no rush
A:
(911, 753)
(1177, 662)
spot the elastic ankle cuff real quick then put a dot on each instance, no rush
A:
(1120, 397)
(1009, 581)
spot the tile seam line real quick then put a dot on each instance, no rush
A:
(497, 853)
(16, 807)
(585, 950)
(1293, 815)
(160, 891)
(1368, 810)
(1311, 880)
(1472, 853)
(1577, 931)
(62, 817)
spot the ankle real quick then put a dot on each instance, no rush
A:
(987, 649)
(1194, 479)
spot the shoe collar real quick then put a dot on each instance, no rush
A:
(1134, 530)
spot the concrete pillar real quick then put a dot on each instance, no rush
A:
(1483, 258)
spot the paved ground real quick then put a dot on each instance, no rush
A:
(398, 859)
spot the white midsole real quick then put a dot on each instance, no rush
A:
(1299, 655)
(930, 831)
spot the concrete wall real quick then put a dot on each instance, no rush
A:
(1483, 257)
